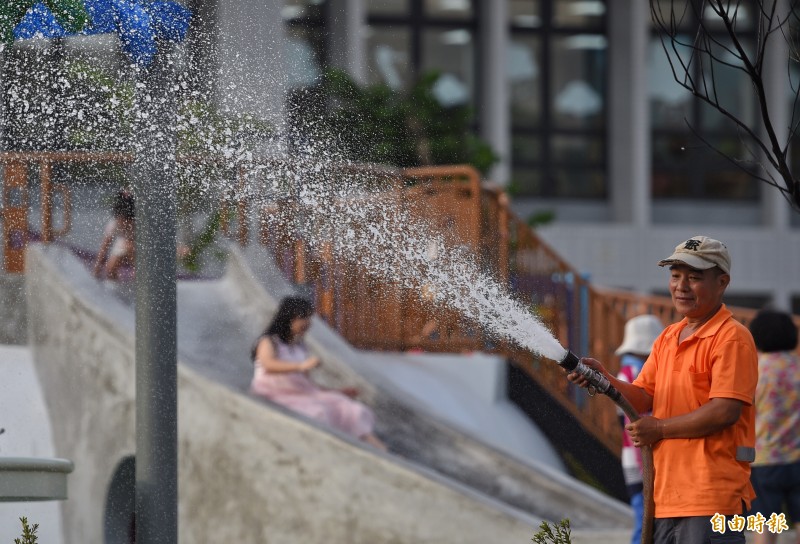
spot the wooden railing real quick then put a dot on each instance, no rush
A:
(373, 314)
(376, 314)
(18, 169)
(25, 169)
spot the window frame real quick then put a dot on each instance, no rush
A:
(548, 32)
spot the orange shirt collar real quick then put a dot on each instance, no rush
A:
(710, 328)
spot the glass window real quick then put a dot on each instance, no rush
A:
(524, 13)
(578, 166)
(577, 82)
(557, 68)
(684, 164)
(526, 149)
(741, 13)
(388, 7)
(450, 51)
(686, 167)
(524, 73)
(578, 149)
(670, 104)
(668, 183)
(302, 9)
(571, 182)
(662, 11)
(448, 9)
(526, 181)
(794, 107)
(389, 56)
(733, 89)
(582, 13)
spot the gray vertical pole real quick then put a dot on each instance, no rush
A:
(154, 179)
(629, 128)
(347, 43)
(495, 109)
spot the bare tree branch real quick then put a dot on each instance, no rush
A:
(718, 31)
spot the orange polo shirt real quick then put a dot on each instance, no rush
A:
(701, 476)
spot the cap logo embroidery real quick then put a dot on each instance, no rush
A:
(692, 244)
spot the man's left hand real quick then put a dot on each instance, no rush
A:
(645, 431)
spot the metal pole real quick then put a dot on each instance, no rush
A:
(154, 180)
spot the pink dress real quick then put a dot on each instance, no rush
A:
(297, 392)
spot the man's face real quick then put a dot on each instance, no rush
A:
(696, 293)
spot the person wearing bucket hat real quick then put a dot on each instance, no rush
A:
(637, 342)
(699, 382)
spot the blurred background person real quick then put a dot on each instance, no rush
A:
(776, 470)
(117, 248)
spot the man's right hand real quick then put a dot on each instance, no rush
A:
(580, 380)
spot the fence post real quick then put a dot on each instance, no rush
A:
(15, 215)
(45, 172)
(504, 236)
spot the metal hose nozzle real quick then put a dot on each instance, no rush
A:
(597, 382)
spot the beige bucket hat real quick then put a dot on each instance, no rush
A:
(640, 333)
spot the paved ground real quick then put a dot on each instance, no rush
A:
(23, 415)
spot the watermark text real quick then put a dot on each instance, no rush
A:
(754, 522)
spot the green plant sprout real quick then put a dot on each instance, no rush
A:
(28, 533)
(556, 534)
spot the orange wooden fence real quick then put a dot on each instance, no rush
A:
(376, 314)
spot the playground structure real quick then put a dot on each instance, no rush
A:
(378, 316)
(266, 465)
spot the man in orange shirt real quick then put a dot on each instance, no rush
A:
(699, 382)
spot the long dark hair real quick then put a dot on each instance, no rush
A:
(290, 309)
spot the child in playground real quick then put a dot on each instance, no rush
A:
(117, 246)
(281, 365)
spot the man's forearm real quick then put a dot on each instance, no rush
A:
(712, 417)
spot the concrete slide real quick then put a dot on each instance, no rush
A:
(251, 471)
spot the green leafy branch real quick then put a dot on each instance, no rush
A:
(378, 124)
(555, 534)
(28, 533)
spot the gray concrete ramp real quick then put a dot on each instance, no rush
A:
(252, 472)
(490, 446)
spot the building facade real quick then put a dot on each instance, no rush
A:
(578, 99)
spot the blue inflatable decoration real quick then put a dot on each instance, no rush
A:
(139, 24)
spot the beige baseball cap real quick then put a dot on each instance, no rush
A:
(700, 252)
